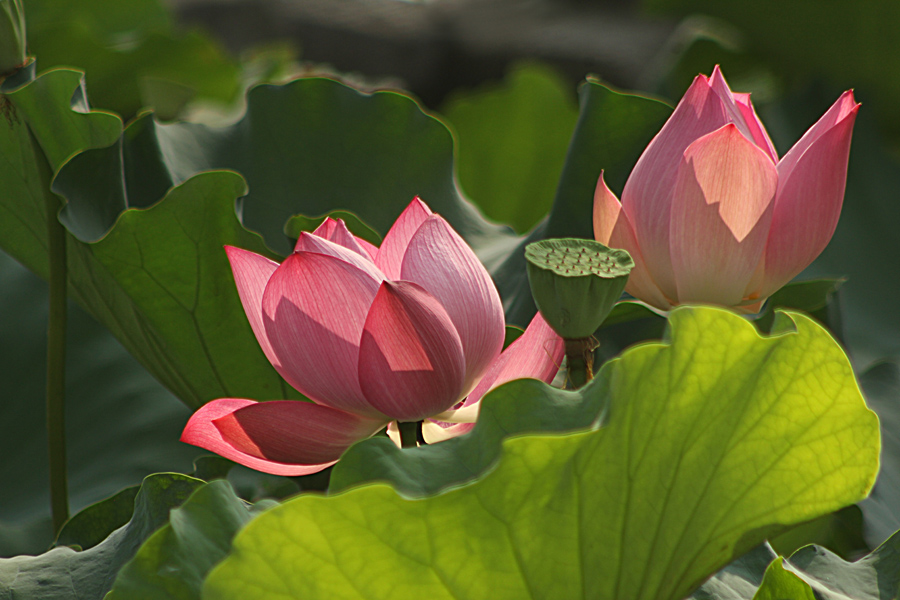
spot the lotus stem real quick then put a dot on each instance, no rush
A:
(409, 434)
(580, 360)
(56, 365)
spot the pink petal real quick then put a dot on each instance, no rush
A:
(251, 274)
(282, 437)
(308, 242)
(647, 196)
(740, 112)
(537, 354)
(335, 230)
(314, 310)
(442, 263)
(390, 254)
(810, 195)
(721, 213)
(411, 362)
(611, 228)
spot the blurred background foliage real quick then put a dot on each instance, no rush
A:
(503, 75)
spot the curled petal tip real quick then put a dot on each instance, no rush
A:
(282, 437)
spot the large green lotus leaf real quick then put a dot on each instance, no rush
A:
(715, 439)
(169, 264)
(132, 55)
(64, 573)
(121, 423)
(173, 562)
(512, 139)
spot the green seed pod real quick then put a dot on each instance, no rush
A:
(12, 36)
(576, 283)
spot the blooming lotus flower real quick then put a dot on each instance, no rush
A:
(411, 330)
(711, 214)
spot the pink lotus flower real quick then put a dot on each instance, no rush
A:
(411, 330)
(710, 213)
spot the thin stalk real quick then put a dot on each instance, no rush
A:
(580, 360)
(409, 433)
(56, 365)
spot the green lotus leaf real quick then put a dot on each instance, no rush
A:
(168, 264)
(173, 562)
(823, 575)
(714, 440)
(512, 140)
(64, 573)
(45, 122)
(780, 584)
(881, 385)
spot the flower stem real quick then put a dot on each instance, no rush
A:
(580, 359)
(56, 364)
(409, 432)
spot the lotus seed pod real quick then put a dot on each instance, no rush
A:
(576, 283)
(12, 36)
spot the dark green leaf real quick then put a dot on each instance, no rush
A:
(881, 386)
(740, 579)
(512, 141)
(169, 265)
(512, 334)
(64, 573)
(94, 524)
(781, 584)
(820, 573)
(173, 562)
(612, 131)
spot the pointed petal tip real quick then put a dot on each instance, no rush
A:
(419, 204)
